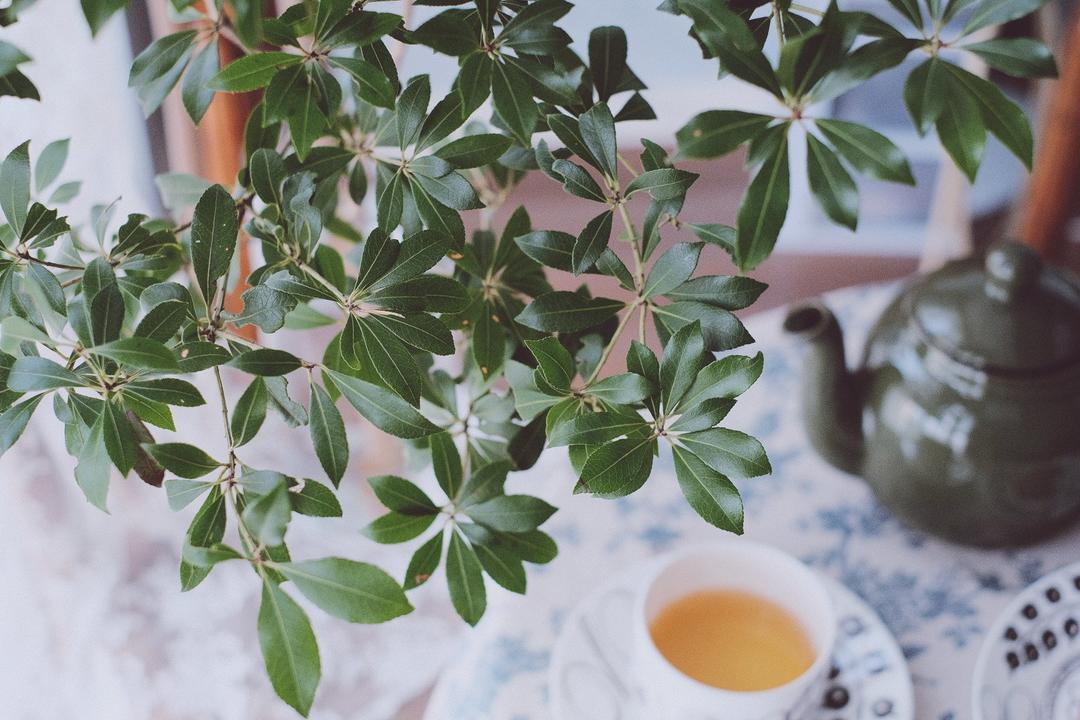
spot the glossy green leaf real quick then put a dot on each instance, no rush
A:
(577, 181)
(402, 496)
(607, 59)
(681, 361)
(1019, 57)
(186, 461)
(513, 100)
(474, 150)
(925, 93)
(328, 435)
(562, 311)
(424, 562)
(730, 292)
(618, 468)
(713, 496)
(763, 209)
(395, 527)
(729, 452)
(30, 374)
(267, 518)
(961, 129)
(867, 150)
(554, 362)
(589, 245)
(672, 269)
(384, 409)
(249, 413)
(350, 590)
(289, 649)
(1004, 118)
(181, 493)
(831, 184)
(446, 462)
(266, 362)
(15, 180)
(213, 238)
(465, 579)
(140, 353)
(196, 92)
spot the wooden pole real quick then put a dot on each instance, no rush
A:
(1052, 191)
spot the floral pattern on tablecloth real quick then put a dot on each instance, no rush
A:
(938, 599)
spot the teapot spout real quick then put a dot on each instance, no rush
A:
(831, 401)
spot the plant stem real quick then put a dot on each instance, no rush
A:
(639, 270)
(641, 322)
(311, 272)
(807, 9)
(614, 339)
(626, 164)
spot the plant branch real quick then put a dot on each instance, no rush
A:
(614, 340)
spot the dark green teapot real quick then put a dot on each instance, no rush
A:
(965, 414)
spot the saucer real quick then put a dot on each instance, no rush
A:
(589, 674)
(1029, 664)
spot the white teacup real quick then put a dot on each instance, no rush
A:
(740, 565)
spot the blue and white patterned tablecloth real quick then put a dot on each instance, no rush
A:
(938, 599)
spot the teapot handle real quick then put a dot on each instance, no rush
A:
(1048, 203)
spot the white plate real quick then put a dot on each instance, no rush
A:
(589, 667)
(1029, 664)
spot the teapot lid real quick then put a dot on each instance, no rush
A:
(1008, 315)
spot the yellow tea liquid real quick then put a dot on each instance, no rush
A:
(733, 640)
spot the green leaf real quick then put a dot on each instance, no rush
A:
(93, 469)
(498, 561)
(207, 528)
(249, 413)
(598, 133)
(350, 590)
(15, 184)
(961, 129)
(289, 649)
(474, 150)
(563, 311)
(181, 493)
(196, 92)
(486, 482)
(29, 374)
(924, 93)
(910, 10)
(391, 360)
(160, 57)
(712, 495)
(727, 377)
(513, 100)
(555, 363)
(307, 121)
(568, 130)
(999, 12)
(182, 459)
(868, 151)
(446, 461)
(120, 440)
(595, 428)
(864, 63)
(548, 247)
(207, 557)
(412, 109)
(721, 329)
(577, 181)
(662, 183)
(384, 409)
(419, 330)
(424, 562)
(511, 513)
(167, 390)
(163, 321)
(13, 421)
(395, 527)
(1004, 118)
(702, 416)
(831, 184)
(268, 517)
(673, 268)
(214, 228)
(607, 59)
(328, 435)
(267, 362)
(371, 83)
(474, 81)
(618, 468)
(679, 367)
(763, 209)
(590, 244)
(465, 579)
(314, 499)
(97, 12)
(251, 72)
(1019, 57)
(729, 452)
(50, 162)
(451, 190)
(106, 314)
(140, 353)
(730, 292)
(402, 496)
(621, 389)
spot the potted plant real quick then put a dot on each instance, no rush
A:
(103, 320)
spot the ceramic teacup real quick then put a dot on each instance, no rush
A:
(733, 564)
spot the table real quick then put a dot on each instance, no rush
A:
(938, 599)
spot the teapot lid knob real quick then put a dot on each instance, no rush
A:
(1011, 267)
